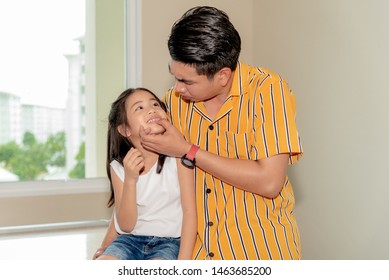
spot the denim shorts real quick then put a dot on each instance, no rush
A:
(138, 247)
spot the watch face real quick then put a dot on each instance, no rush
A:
(187, 162)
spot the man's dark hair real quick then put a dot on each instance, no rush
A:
(205, 38)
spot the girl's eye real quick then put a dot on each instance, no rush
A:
(138, 108)
(156, 104)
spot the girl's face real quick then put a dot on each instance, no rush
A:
(142, 109)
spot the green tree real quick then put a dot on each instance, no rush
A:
(26, 165)
(55, 148)
(30, 160)
(29, 139)
(78, 171)
(7, 151)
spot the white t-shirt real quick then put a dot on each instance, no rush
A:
(158, 201)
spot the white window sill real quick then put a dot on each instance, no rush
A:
(53, 187)
(53, 227)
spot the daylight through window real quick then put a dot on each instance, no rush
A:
(42, 90)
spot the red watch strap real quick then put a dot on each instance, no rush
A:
(192, 152)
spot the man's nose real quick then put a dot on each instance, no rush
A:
(180, 87)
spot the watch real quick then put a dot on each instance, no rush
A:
(189, 159)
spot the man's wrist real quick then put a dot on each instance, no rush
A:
(189, 158)
(191, 154)
(186, 149)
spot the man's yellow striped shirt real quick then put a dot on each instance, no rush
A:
(256, 121)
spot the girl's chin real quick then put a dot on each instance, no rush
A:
(156, 129)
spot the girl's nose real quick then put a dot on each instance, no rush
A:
(152, 110)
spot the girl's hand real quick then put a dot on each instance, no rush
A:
(98, 253)
(133, 164)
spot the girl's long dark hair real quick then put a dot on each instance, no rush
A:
(117, 144)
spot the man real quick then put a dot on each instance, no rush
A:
(240, 135)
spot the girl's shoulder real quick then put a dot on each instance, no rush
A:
(116, 164)
(118, 169)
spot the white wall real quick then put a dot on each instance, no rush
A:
(335, 56)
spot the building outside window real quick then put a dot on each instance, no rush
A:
(42, 90)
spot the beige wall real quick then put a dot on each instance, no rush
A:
(16, 211)
(335, 56)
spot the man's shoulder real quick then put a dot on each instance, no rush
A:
(169, 93)
(259, 71)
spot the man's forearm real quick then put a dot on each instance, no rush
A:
(264, 177)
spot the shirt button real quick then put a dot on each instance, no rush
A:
(208, 190)
(210, 224)
(211, 254)
(210, 127)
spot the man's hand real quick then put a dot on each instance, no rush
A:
(170, 143)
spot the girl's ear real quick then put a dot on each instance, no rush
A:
(124, 131)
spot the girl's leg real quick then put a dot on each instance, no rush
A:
(106, 257)
(162, 248)
(124, 247)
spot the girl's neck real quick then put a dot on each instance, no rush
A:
(150, 158)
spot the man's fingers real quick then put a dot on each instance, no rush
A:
(144, 131)
(164, 123)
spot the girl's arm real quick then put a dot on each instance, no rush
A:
(189, 219)
(110, 235)
(125, 203)
(125, 192)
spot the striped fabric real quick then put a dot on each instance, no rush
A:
(256, 121)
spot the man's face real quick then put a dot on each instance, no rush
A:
(190, 85)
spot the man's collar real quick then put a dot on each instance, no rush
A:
(239, 85)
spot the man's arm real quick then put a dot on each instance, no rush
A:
(265, 177)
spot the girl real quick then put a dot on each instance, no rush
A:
(154, 215)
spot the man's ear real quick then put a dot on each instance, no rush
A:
(124, 131)
(224, 75)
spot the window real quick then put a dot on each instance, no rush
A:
(101, 53)
(42, 89)
(57, 83)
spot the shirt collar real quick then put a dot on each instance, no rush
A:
(239, 84)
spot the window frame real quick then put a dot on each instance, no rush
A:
(53, 187)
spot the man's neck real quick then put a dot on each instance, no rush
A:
(214, 104)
